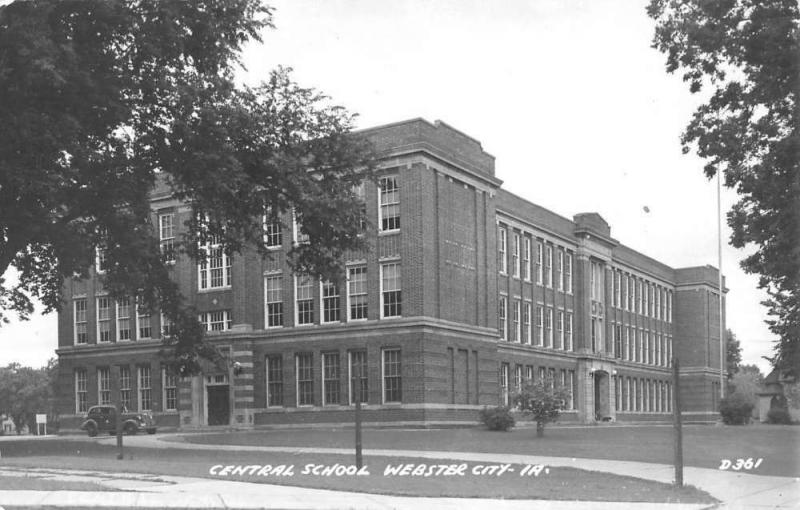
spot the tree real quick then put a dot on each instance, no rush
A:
(747, 383)
(746, 53)
(103, 98)
(25, 392)
(543, 401)
(733, 353)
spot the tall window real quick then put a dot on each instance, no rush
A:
(640, 296)
(539, 262)
(215, 266)
(595, 334)
(145, 390)
(526, 260)
(596, 281)
(81, 395)
(526, 324)
(504, 369)
(560, 270)
(617, 290)
(331, 308)
(623, 303)
(515, 256)
(358, 377)
(570, 386)
(548, 327)
(304, 299)
(560, 330)
(503, 317)
(125, 386)
(124, 319)
(330, 378)
(518, 378)
(626, 343)
(515, 332)
(391, 296)
(81, 334)
(104, 386)
(100, 262)
(658, 303)
(273, 296)
(669, 306)
(646, 343)
(548, 266)
(360, 193)
(568, 273)
(273, 230)
(646, 307)
(631, 293)
(389, 209)
(143, 323)
(568, 332)
(539, 325)
(274, 381)
(392, 376)
(167, 326)
(166, 236)
(218, 320)
(103, 319)
(357, 292)
(305, 379)
(502, 240)
(170, 389)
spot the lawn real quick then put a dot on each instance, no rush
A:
(30, 483)
(703, 445)
(558, 483)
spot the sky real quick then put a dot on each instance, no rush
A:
(568, 96)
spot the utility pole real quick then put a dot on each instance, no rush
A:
(722, 342)
(676, 413)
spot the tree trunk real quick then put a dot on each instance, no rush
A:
(539, 429)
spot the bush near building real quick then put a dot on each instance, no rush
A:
(497, 418)
(736, 409)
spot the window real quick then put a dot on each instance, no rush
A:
(391, 376)
(273, 230)
(548, 326)
(273, 297)
(215, 266)
(330, 379)
(570, 390)
(651, 301)
(143, 323)
(528, 374)
(390, 290)
(518, 378)
(539, 325)
(623, 293)
(548, 267)
(170, 389)
(515, 331)
(526, 324)
(219, 320)
(596, 281)
(166, 236)
(595, 333)
(631, 293)
(104, 386)
(617, 340)
(568, 273)
(626, 345)
(657, 359)
(568, 333)
(502, 317)
(304, 299)
(502, 261)
(125, 386)
(542, 374)
(167, 326)
(124, 319)
(274, 366)
(639, 345)
(526, 260)
(646, 307)
(389, 202)
(669, 306)
(145, 401)
(515, 256)
(358, 377)
(504, 369)
(100, 261)
(103, 319)
(539, 268)
(640, 296)
(357, 292)
(658, 303)
(81, 334)
(305, 379)
(560, 330)
(360, 193)
(646, 346)
(81, 395)
(617, 290)
(560, 270)
(331, 309)
(299, 235)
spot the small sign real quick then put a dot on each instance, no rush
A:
(41, 418)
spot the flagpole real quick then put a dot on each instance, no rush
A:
(722, 348)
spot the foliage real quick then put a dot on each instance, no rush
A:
(779, 416)
(497, 418)
(746, 53)
(25, 392)
(103, 98)
(747, 383)
(733, 351)
(735, 409)
(542, 400)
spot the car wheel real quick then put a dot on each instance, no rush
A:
(151, 431)
(129, 429)
(91, 429)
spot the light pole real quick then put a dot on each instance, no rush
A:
(722, 349)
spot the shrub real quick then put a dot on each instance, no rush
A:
(779, 415)
(736, 409)
(497, 418)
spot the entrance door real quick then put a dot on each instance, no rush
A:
(601, 402)
(219, 405)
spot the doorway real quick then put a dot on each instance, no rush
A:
(219, 405)
(602, 411)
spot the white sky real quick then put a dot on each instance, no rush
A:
(566, 94)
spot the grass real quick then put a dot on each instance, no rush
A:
(703, 445)
(558, 484)
(31, 483)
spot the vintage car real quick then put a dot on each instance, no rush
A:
(104, 419)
